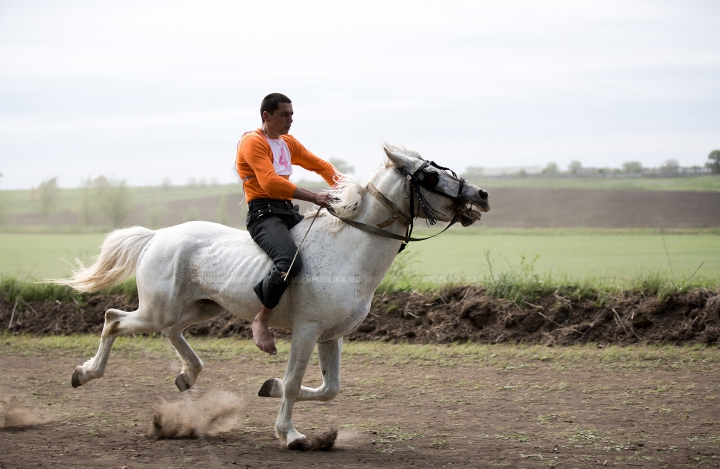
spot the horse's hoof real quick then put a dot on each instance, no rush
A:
(301, 444)
(181, 384)
(268, 388)
(76, 379)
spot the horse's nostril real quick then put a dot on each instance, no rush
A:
(483, 194)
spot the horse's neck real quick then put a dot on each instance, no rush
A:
(378, 251)
(372, 212)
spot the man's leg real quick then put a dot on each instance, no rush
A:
(273, 236)
(261, 334)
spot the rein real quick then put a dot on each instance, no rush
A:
(431, 214)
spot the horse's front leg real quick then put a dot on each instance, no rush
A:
(301, 347)
(329, 357)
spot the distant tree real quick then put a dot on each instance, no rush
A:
(632, 167)
(551, 169)
(341, 165)
(114, 198)
(87, 206)
(670, 166)
(191, 183)
(47, 197)
(574, 167)
(473, 172)
(166, 184)
(714, 163)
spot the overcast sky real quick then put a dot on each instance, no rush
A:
(141, 91)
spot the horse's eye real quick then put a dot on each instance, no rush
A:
(431, 180)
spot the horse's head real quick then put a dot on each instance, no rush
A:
(437, 193)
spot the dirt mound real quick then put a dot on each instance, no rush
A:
(460, 314)
(468, 314)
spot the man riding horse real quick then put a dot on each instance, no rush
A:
(264, 162)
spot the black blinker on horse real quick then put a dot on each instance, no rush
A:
(429, 181)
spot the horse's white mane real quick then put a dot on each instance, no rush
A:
(346, 196)
(348, 191)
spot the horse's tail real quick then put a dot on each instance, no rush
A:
(116, 262)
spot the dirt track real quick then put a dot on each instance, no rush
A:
(486, 411)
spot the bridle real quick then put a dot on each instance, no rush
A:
(428, 180)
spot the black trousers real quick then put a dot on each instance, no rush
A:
(269, 222)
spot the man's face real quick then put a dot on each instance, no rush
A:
(279, 122)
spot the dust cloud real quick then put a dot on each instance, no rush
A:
(213, 413)
(13, 414)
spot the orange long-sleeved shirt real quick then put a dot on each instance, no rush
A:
(254, 164)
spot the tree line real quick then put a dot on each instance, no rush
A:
(670, 167)
(97, 196)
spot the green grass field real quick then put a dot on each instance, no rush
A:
(38, 256)
(606, 256)
(459, 256)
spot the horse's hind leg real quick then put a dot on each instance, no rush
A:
(192, 365)
(117, 322)
(194, 313)
(329, 358)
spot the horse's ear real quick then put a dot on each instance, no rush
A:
(397, 159)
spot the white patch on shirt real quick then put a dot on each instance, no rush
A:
(281, 156)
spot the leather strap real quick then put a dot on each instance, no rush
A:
(383, 233)
(389, 205)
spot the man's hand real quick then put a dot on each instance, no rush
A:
(318, 198)
(322, 199)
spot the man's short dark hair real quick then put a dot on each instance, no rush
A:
(271, 103)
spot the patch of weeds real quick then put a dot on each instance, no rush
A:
(389, 436)
(712, 440)
(518, 285)
(437, 444)
(519, 436)
(543, 419)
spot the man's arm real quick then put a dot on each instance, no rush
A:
(318, 198)
(307, 160)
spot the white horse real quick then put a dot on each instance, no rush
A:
(192, 272)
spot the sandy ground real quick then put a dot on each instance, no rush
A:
(443, 413)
